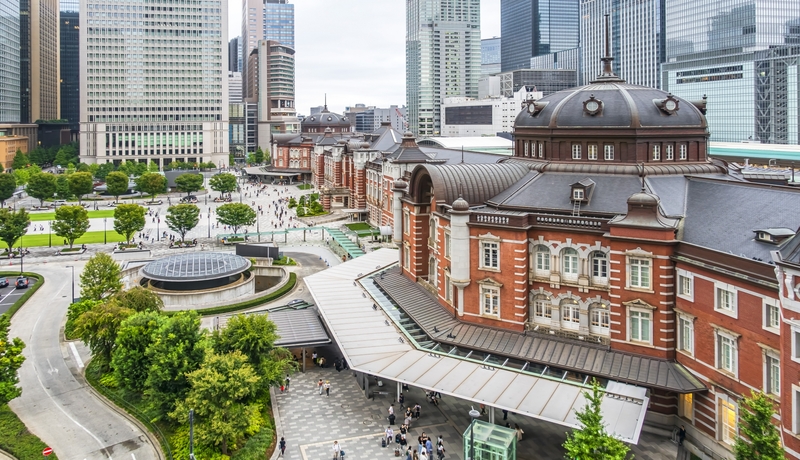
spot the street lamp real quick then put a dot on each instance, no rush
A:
(21, 256)
(158, 224)
(50, 234)
(474, 414)
(208, 217)
(73, 282)
(105, 238)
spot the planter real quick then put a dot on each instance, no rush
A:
(69, 252)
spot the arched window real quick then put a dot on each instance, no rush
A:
(541, 261)
(432, 233)
(540, 309)
(570, 314)
(600, 318)
(569, 264)
(599, 268)
(432, 270)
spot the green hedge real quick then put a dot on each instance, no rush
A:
(16, 439)
(21, 301)
(250, 303)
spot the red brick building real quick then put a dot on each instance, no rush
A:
(612, 245)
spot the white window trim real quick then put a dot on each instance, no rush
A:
(563, 256)
(629, 328)
(448, 243)
(683, 151)
(639, 256)
(685, 274)
(766, 304)
(547, 255)
(566, 321)
(681, 316)
(599, 330)
(482, 242)
(592, 152)
(599, 280)
(734, 312)
(406, 222)
(656, 152)
(795, 409)
(734, 337)
(769, 354)
(496, 290)
(720, 421)
(795, 330)
(548, 305)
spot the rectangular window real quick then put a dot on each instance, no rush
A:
(772, 374)
(447, 244)
(592, 151)
(541, 308)
(608, 152)
(600, 318)
(686, 406)
(600, 267)
(541, 149)
(726, 353)
(727, 414)
(640, 273)
(491, 251)
(526, 145)
(726, 299)
(448, 287)
(686, 334)
(640, 326)
(685, 285)
(670, 152)
(656, 152)
(406, 223)
(577, 194)
(682, 152)
(772, 315)
(490, 300)
(576, 151)
(406, 257)
(542, 261)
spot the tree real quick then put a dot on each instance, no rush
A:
(759, 438)
(116, 184)
(129, 219)
(21, 160)
(178, 348)
(152, 167)
(8, 184)
(12, 226)
(98, 328)
(181, 218)
(138, 299)
(151, 183)
(62, 187)
(66, 154)
(80, 183)
(132, 168)
(74, 311)
(100, 277)
(103, 170)
(591, 440)
(259, 156)
(189, 182)
(71, 223)
(129, 361)
(236, 215)
(11, 360)
(222, 396)
(223, 183)
(21, 176)
(41, 186)
(255, 336)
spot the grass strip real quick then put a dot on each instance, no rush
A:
(45, 216)
(250, 303)
(16, 439)
(29, 241)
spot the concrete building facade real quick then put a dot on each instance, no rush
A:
(40, 90)
(175, 106)
(263, 20)
(442, 58)
(484, 117)
(275, 95)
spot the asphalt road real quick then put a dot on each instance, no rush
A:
(10, 294)
(56, 404)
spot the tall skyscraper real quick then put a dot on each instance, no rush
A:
(742, 55)
(535, 27)
(264, 20)
(233, 55)
(490, 56)
(70, 62)
(155, 86)
(637, 39)
(443, 40)
(39, 63)
(276, 111)
(9, 61)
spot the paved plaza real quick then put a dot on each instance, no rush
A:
(310, 422)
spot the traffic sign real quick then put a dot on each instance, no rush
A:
(47, 451)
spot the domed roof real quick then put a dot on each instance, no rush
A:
(611, 103)
(326, 118)
(460, 205)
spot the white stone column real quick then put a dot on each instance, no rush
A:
(398, 189)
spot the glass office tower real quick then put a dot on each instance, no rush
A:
(9, 62)
(263, 20)
(154, 85)
(490, 56)
(535, 27)
(70, 62)
(742, 55)
(443, 58)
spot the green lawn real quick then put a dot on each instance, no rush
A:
(88, 238)
(44, 216)
(305, 186)
(358, 226)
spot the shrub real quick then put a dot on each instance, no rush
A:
(292, 202)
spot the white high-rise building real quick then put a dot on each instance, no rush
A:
(154, 83)
(636, 29)
(443, 58)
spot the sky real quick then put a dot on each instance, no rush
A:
(353, 50)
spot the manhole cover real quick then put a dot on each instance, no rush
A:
(345, 406)
(367, 422)
(376, 417)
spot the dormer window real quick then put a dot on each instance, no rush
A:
(581, 191)
(577, 194)
(773, 235)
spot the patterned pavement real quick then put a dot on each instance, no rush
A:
(311, 422)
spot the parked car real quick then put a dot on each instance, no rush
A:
(189, 199)
(22, 282)
(3, 282)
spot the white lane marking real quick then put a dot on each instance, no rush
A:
(52, 369)
(55, 403)
(5, 296)
(76, 355)
(133, 456)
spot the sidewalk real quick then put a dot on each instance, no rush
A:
(311, 422)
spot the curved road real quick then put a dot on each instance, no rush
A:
(56, 404)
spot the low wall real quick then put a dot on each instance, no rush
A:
(196, 300)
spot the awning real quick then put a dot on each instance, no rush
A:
(297, 328)
(372, 344)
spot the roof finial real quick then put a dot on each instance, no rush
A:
(607, 74)
(326, 103)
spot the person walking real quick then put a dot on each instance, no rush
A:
(287, 382)
(320, 385)
(337, 450)
(429, 446)
(327, 388)
(519, 432)
(282, 445)
(440, 449)
(389, 434)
